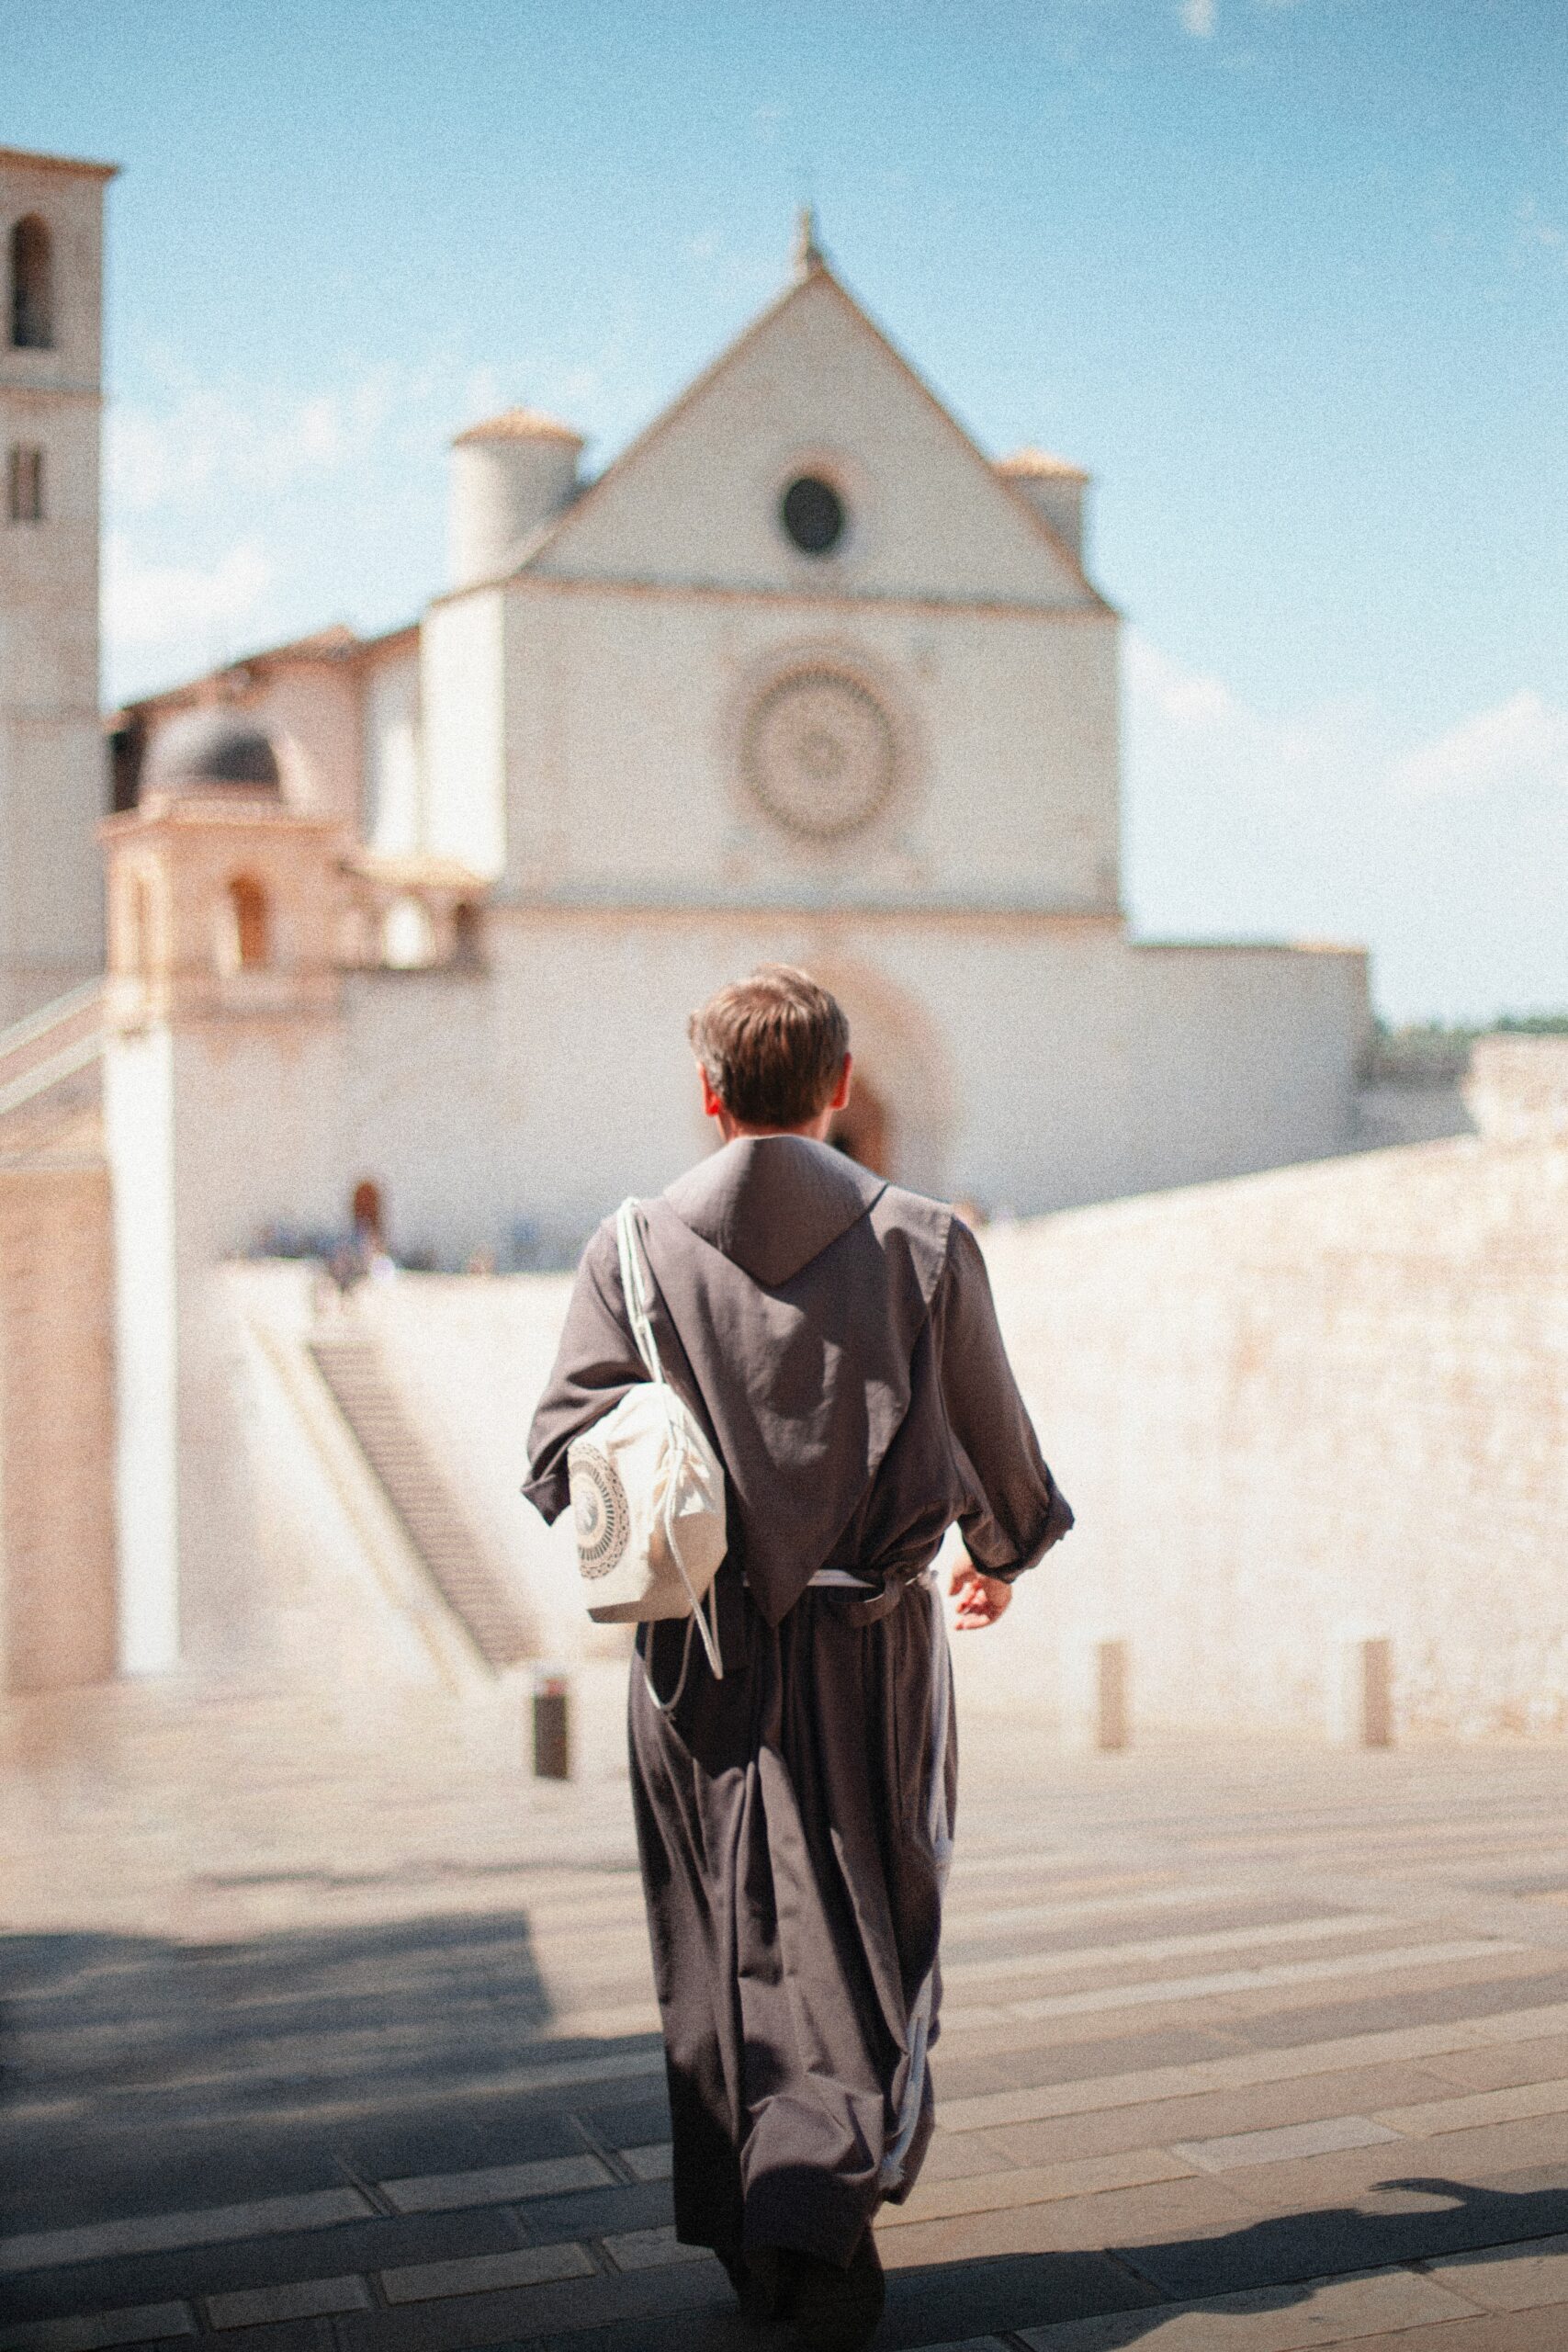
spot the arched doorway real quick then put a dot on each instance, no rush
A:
(899, 1118)
(249, 941)
(368, 1211)
(863, 1129)
(466, 936)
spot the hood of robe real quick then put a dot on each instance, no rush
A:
(770, 1204)
(797, 1283)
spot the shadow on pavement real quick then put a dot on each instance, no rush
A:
(140, 2076)
(147, 2076)
(1277, 2259)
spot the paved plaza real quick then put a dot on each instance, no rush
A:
(327, 2030)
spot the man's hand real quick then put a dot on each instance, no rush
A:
(981, 1599)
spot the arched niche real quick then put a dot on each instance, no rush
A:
(245, 926)
(32, 285)
(25, 484)
(468, 935)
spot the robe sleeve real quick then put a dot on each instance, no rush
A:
(1015, 1510)
(595, 1365)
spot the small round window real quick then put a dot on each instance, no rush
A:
(813, 514)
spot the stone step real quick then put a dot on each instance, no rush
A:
(472, 1586)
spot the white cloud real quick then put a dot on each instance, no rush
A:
(1444, 857)
(1186, 699)
(1534, 226)
(189, 451)
(1521, 741)
(152, 605)
(207, 439)
(1198, 18)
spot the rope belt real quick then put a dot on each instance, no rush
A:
(880, 1600)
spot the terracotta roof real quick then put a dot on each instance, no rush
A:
(409, 869)
(519, 425)
(1039, 465)
(333, 645)
(10, 156)
(329, 644)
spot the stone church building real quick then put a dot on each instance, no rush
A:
(803, 675)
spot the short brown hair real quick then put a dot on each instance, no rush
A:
(772, 1046)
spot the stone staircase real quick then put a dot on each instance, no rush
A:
(473, 1587)
(58, 1043)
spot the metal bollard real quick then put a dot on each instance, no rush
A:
(1097, 1693)
(552, 1727)
(1113, 1696)
(1363, 1703)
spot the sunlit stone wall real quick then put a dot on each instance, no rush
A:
(1307, 1407)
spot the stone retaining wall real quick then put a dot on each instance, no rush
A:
(1322, 1404)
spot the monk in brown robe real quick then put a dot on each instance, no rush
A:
(835, 1337)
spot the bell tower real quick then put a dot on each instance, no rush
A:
(53, 769)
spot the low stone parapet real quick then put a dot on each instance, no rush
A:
(1516, 1089)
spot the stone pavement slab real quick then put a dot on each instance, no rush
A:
(305, 2299)
(358, 2249)
(1516, 2278)
(1330, 2135)
(496, 2184)
(1489, 2067)
(977, 2068)
(1099, 1963)
(1196, 2209)
(1481, 1993)
(1404, 1964)
(530, 2265)
(1320, 2310)
(997, 2293)
(653, 2250)
(1518, 2331)
(627, 2309)
(1032, 2186)
(1423, 2223)
(1478, 2157)
(1428, 2119)
(145, 2324)
(1234, 2069)
(154, 2233)
(1257, 2107)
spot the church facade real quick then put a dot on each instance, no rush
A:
(801, 676)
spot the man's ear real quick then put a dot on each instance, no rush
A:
(841, 1094)
(712, 1107)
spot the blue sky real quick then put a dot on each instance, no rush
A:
(1290, 275)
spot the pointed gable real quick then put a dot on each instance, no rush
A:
(814, 388)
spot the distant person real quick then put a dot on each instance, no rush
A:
(835, 1337)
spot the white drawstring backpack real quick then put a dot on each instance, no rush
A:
(647, 1495)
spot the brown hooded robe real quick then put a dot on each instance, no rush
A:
(835, 1338)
